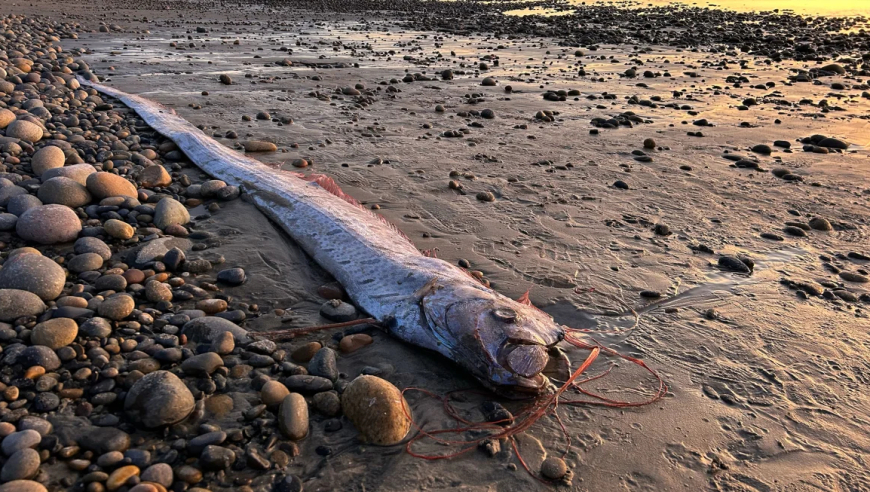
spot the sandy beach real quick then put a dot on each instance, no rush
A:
(686, 184)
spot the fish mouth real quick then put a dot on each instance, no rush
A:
(525, 387)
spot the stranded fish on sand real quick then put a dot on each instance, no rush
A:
(424, 301)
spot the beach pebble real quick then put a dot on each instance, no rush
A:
(170, 212)
(38, 355)
(55, 333)
(117, 307)
(16, 303)
(118, 229)
(85, 262)
(375, 407)
(820, 224)
(22, 486)
(64, 191)
(22, 465)
(259, 146)
(49, 224)
(77, 172)
(352, 343)
(34, 273)
(6, 116)
(232, 276)
(154, 177)
(293, 417)
(207, 328)
(92, 245)
(223, 344)
(24, 439)
(306, 352)
(157, 399)
(17, 205)
(120, 476)
(273, 393)
(202, 365)
(216, 458)
(554, 468)
(324, 364)
(338, 311)
(160, 473)
(25, 130)
(103, 185)
(48, 157)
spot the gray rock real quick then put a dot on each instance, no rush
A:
(202, 364)
(216, 458)
(17, 441)
(293, 417)
(85, 262)
(232, 276)
(34, 273)
(157, 248)
(338, 311)
(8, 221)
(306, 383)
(38, 355)
(22, 465)
(159, 399)
(170, 212)
(49, 224)
(77, 172)
(323, 364)
(117, 307)
(96, 328)
(102, 440)
(158, 473)
(64, 191)
(198, 444)
(16, 303)
(48, 157)
(92, 245)
(22, 203)
(207, 328)
(7, 192)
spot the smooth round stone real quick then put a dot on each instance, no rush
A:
(273, 393)
(202, 364)
(170, 212)
(375, 407)
(352, 343)
(328, 403)
(554, 468)
(223, 344)
(118, 229)
(110, 459)
(38, 355)
(17, 441)
(207, 328)
(197, 444)
(117, 307)
(160, 473)
(25, 130)
(22, 486)
(306, 352)
(64, 191)
(96, 328)
(259, 146)
(156, 291)
(293, 417)
(9, 192)
(76, 172)
(159, 399)
(85, 262)
(212, 306)
(17, 205)
(338, 311)
(49, 224)
(188, 474)
(154, 176)
(55, 333)
(48, 157)
(46, 402)
(232, 276)
(6, 116)
(103, 185)
(103, 440)
(216, 458)
(33, 273)
(8, 221)
(92, 245)
(820, 224)
(211, 187)
(15, 303)
(22, 465)
(120, 476)
(323, 364)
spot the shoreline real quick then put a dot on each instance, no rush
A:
(748, 356)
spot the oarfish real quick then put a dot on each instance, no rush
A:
(422, 300)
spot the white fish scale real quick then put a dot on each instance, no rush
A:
(379, 269)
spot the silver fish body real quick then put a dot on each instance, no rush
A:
(421, 300)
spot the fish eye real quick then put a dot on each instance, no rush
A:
(506, 315)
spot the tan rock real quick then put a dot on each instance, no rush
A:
(375, 407)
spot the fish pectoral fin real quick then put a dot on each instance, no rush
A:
(431, 286)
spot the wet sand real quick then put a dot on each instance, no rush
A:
(767, 392)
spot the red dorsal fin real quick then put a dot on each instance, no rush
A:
(524, 299)
(331, 186)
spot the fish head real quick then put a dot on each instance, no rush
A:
(503, 343)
